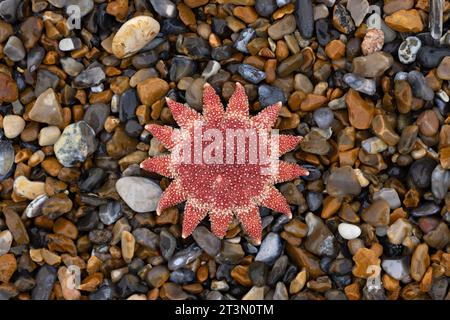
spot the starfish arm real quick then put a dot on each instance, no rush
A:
(163, 133)
(220, 220)
(172, 196)
(183, 115)
(267, 117)
(287, 143)
(275, 201)
(212, 107)
(288, 171)
(193, 215)
(238, 103)
(251, 222)
(160, 165)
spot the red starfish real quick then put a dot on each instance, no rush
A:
(212, 174)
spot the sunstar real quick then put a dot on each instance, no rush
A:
(237, 184)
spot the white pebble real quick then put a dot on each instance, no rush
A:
(13, 126)
(49, 135)
(349, 231)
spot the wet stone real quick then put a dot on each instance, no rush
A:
(360, 84)
(408, 50)
(45, 279)
(89, 77)
(265, 7)
(95, 116)
(270, 249)
(244, 38)
(251, 73)
(140, 194)
(342, 20)
(319, 239)
(6, 159)
(110, 212)
(426, 209)
(167, 244)
(343, 181)
(14, 49)
(282, 27)
(184, 257)
(165, 8)
(372, 65)
(76, 144)
(269, 95)
(420, 172)
(419, 86)
(207, 241)
(431, 57)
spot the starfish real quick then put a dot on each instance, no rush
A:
(218, 163)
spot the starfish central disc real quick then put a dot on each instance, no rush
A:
(224, 163)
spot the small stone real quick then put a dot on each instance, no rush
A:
(167, 244)
(407, 52)
(304, 16)
(302, 82)
(419, 262)
(133, 35)
(270, 249)
(398, 231)
(349, 231)
(319, 240)
(207, 241)
(315, 143)
(323, 117)
(282, 27)
(269, 95)
(65, 227)
(157, 276)
(390, 195)
(361, 84)
(90, 77)
(392, 6)
(28, 189)
(358, 10)
(440, 182)
(342, 20)
(69, 44)
(68, 280)
(439, 237)
(428, 123)
(243, 39)
(128, 243)
(255, 293)
(14, 49)
(405, 21)
(290, 65)
(384, 131)
(45, 279)
(140, 194)
(343, 181)
(184, 257)
(251, 73)
(372, 65)
(361, 111)
(49, 135)
(13, 126)
(109, 213)
(8, 266)
(164, 8)
(443, 70)
(363, 259)
(335, 49)
(374, 145)
(47, 109)
(8, 88)
(151, 90)
(6, 239)
(377, 214)
(96, 115)
(71, 66)
(76, 144)
(396, 268)
(373, 41)
(420, 172)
